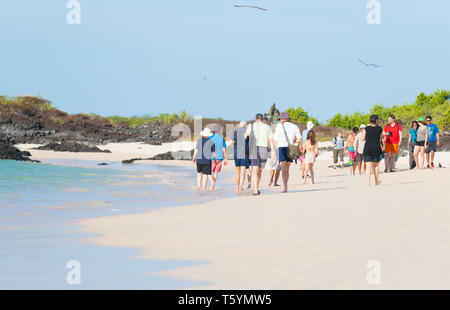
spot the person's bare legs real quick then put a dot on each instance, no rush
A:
(258, 177)
(428, 159)
(285, 174)
(359, 167)
(199, 181)
(311, 172)
(205, 182)
(249, 177)
(242, 179)
(432, 156)
(422, 154)
(369, 172)
(305, 173)
(238, 178)
(272, 175)
(416, 156)
(255, 179)
(376, 172)
(277, 176)
(214, 180)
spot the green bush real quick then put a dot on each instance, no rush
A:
(437, 105)
(300, 116)
(135, 121)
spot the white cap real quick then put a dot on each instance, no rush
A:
(362, 126)
(243, 124)
(206, 132)
(310, 125)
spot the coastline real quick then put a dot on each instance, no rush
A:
(312, 237)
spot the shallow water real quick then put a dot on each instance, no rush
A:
(39, 203)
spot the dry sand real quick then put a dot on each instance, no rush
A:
(318, 236)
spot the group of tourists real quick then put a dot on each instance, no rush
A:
(423, 139)
(257, 147)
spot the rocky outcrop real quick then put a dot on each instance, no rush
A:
(71, 146)
(8, 151)
(180, 155)
(34, 120)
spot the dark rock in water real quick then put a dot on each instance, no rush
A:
(164, 156)
(8, 151)
(180, 155)
(71, 146)
(103, 164)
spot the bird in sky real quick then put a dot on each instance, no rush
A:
(250, 7)
(369, 64)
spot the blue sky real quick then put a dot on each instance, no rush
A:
(151, 56)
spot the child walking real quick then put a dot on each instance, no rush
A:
(311, 152)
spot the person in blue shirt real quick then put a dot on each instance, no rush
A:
(221, 156)
(204, 155)
(411, 143)
(433, 141)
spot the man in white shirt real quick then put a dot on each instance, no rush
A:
(260, 135)
(286, 133)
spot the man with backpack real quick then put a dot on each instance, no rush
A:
(260, 139)
(393, 131)
(286, 135)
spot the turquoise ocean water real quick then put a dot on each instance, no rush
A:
(39, 204)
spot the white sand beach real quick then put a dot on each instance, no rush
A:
(319, 236)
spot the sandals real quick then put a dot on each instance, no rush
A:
(256, 194)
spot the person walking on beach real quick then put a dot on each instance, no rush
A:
(421, 143)
(241, 160)
(393, 132)
(351, 150)
(359, 145)
(411, 144)
(311, 152)
(204, 154)
(309, 127)
(260, 139)
(338, 149)
(221, 157)
(433, 141)
(273, 165)
(286, 133)
(373, 135)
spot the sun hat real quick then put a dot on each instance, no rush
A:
(420, 119)
(206, 132)
(362, 126)
(284, 115)
(310, 125)
(243, 124)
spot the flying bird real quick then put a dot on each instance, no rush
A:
(369, 64)
(250, 7)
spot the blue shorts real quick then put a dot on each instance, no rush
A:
(283, 155)
(242, 163)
